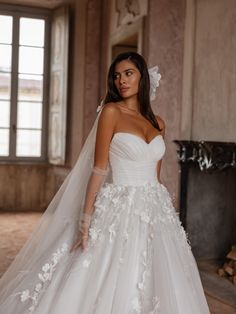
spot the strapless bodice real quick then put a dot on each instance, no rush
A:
(132, 160)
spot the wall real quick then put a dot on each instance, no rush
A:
(85, 72)
(214, 110)
(28, 187)
(165, 34)
(209, 111)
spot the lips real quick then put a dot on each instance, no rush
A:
(123, 89)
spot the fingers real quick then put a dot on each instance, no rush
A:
(82, 241)
(85, 243)
(76, 244)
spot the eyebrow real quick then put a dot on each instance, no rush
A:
(126, 70)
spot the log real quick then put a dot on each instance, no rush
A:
(232, 255)
(221, 272)
(229, 270)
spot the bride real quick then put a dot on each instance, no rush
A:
(110, 241)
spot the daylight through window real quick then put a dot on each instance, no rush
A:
(22, 94)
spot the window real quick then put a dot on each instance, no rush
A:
(23, 84)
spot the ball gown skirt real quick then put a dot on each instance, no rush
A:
(138, 261)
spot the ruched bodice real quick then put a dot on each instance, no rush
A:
(132, 160)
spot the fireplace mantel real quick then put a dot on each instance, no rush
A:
(209, 156)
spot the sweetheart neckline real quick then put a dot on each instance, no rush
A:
(132, 134)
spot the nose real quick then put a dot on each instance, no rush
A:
(122, 80)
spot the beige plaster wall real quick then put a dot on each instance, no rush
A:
(76, 75)
(88, 54)
(165, 33)
(214, 93)
(92, 63)
(209, 93)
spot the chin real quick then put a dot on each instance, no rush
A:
(128, 95)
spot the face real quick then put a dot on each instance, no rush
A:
(127, 78)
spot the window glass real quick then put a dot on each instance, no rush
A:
(5, 29)
(32, 32)
(5, 58)
(28, 143)
(30, 87)
(5, 114)
(31, 60)
(22, 75)
(4, 142)
(5, 86)
(29, 115)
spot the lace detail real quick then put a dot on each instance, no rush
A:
(156, 207)
(145, 275)
(45, 277)
(136, 305)
(156, 306)
(116, 210)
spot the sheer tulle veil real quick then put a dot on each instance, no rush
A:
(59, 224)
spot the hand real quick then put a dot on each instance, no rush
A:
(82, 241)
(84, 225)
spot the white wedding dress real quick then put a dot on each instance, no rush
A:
(138, 259)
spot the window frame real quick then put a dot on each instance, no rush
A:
(29, 12)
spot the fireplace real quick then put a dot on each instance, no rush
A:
(208, 196)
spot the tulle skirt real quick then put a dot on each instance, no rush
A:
(138, 260)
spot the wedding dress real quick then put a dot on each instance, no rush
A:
(138, 259)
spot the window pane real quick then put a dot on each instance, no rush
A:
(5, 114)
(5, 58)
(29, 115)
(32, 32)
(5, 29)
(5, 85)
(4, 142)
(28, 143)
(31, 60)
(30, 87)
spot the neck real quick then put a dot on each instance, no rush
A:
(132, 103)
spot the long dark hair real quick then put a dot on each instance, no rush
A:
(144, 85)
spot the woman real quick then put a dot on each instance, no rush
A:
(131, 253)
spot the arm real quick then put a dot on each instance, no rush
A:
(105, 130)
(162, 126)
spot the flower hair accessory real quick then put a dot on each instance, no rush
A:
(155, 77)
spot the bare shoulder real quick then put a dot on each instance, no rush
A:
(161, 123)
(110, 110)
(109, 115)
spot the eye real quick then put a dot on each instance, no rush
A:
(128, 73)
(116, 75)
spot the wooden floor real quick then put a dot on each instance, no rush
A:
(15, 229)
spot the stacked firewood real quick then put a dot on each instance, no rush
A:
(228, 270)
